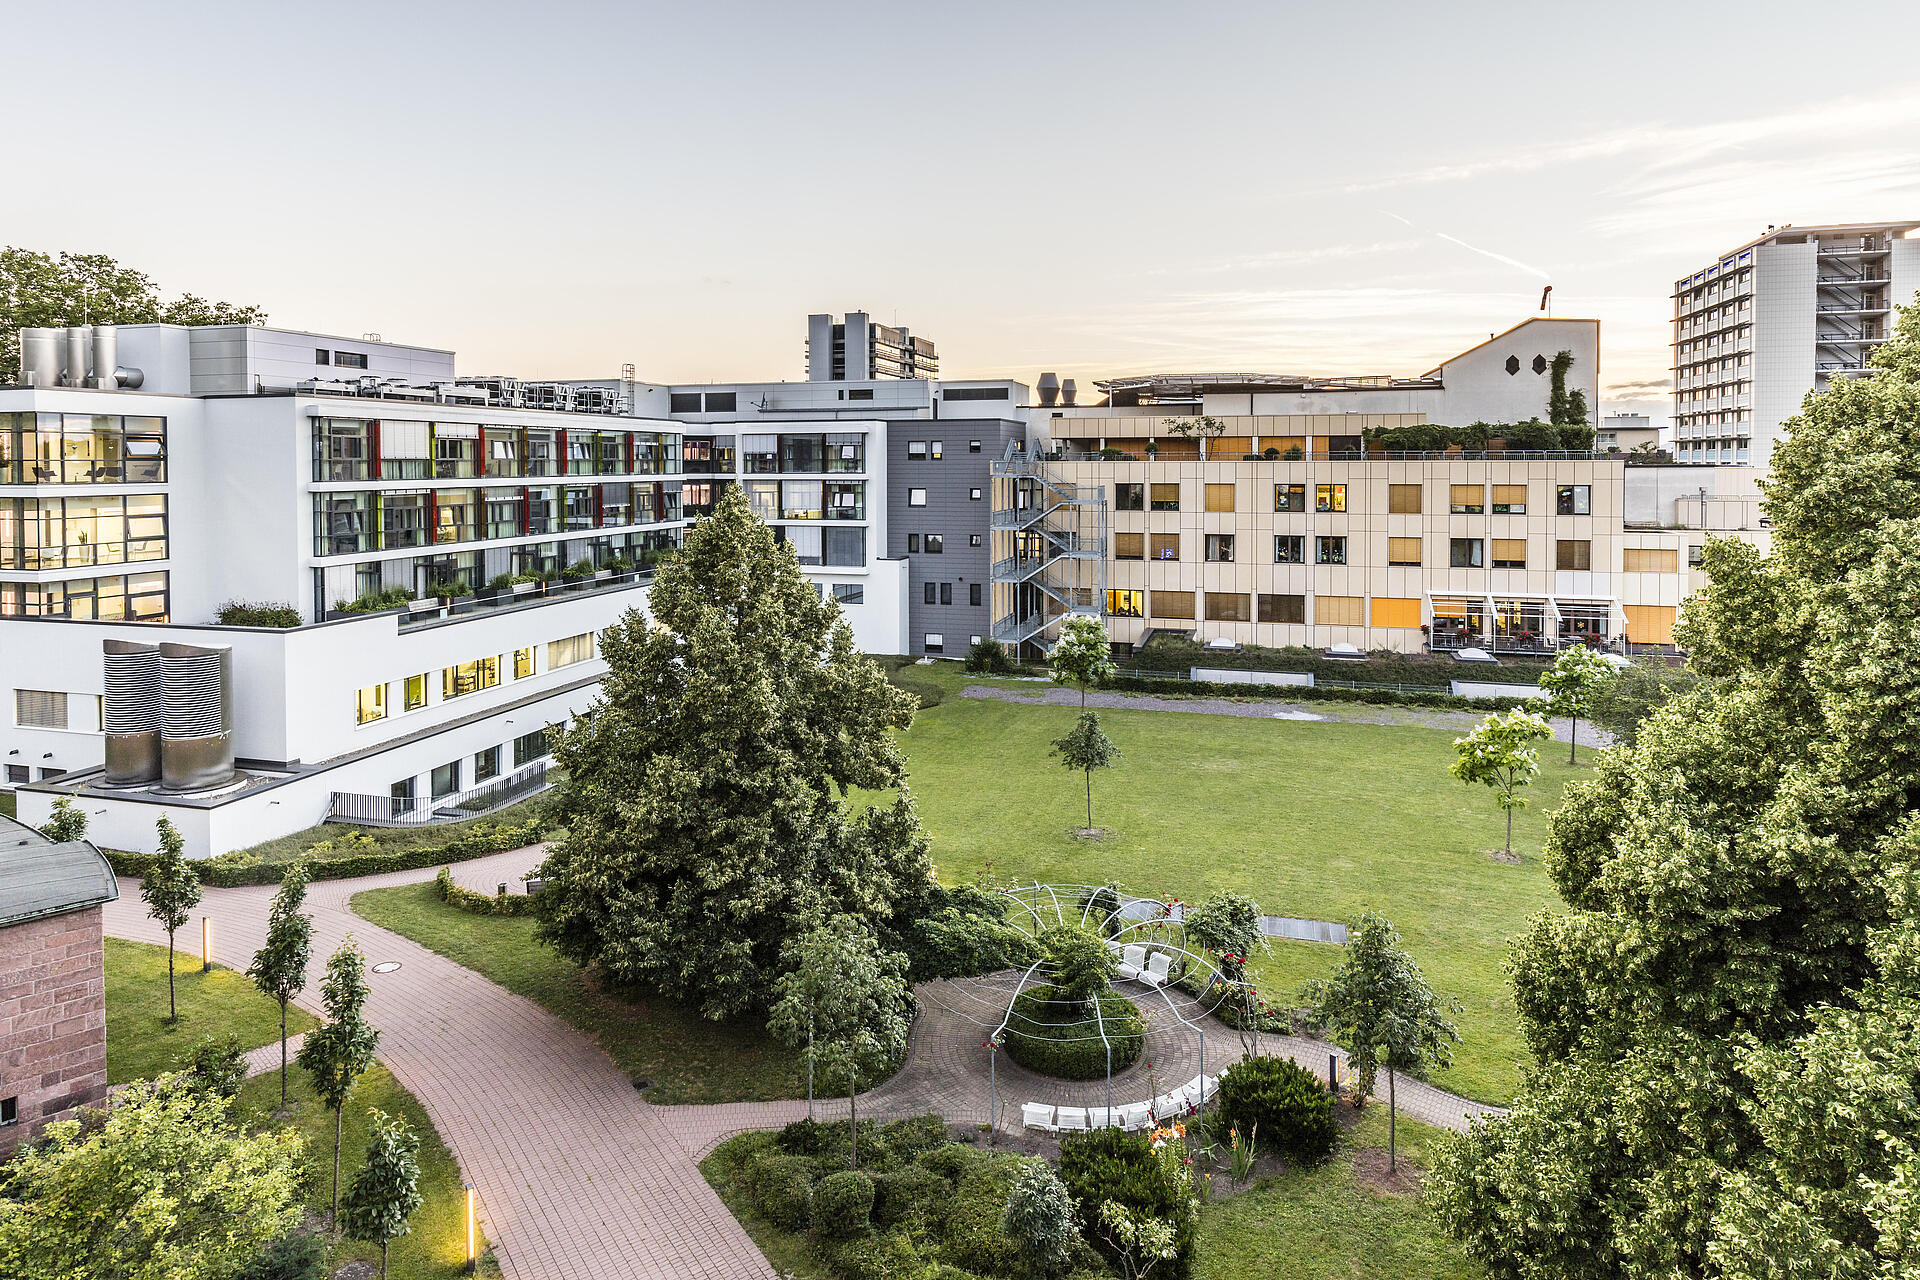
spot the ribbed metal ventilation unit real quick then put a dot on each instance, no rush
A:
(132, 712)
(196, 735)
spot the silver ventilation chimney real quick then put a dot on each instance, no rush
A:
(1067, 392)
(1049, 389)
(132, 712)
(77, 338)
(106, 355)
(196, 722)
(40, 356)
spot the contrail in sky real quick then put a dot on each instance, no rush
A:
(1472, 248)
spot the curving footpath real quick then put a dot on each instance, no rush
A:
(576, 1174)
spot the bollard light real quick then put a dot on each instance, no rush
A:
(473, 1259)
(206, 943)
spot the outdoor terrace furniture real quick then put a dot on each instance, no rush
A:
(1103, 1118)
(1169, 1105)
(1155, 974)
(1201, 1088)
(1133, 958)
(1072, 1119)
(1037, 1115)
(1136, 1115)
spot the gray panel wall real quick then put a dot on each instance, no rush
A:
(950, 513)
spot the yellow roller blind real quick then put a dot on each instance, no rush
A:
(1468, 499)
(1650, 623)
(1510, 552)
(1389, 611)
(1232, 448)
(1219, 497)
(1166, 497)
(1171, 604)
(1166, 546)
(1403, 499)
(1129, 546)
(1229, 606)
(1510, 499)
(1403, 551)
(1650, 560)
(1340, 611)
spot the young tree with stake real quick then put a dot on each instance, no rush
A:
(171, 891)
(1572, 683)
(1499, 753)
(845, 1001)
(1379, 1008)
(279, 967)
(1086, 748)
(337, 1053)
(386, 1191)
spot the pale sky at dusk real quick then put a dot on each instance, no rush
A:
(1092, 188)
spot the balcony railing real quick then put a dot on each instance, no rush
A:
(394, 811)
(424, 612)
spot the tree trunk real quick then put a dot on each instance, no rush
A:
(1573, 741)
(1509, 833)
(1089, 800)
(1393, 1118)
(283, 1055)
(173, 1008)
(383, 1258)
(334, 1221)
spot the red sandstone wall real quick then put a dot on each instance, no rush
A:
(53, 1019)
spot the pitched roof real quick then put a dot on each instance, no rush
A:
(40, 878)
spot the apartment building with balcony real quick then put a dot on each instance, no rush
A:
(856, 348)
(1764, 324)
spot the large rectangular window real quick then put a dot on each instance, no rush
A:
(469, 677)
(39, 709)
(564, 653)
(1572, 554)
(1468, 499)
(843, 548)
(529, 747)
(1164, 546)
(801, 500)
(523, 663)
(1289, 548)
(456, 451)
(1129, 497)
(1466, 553)
(1165, 497)
(1403, 499)
(446, 780)
(1329, 497)
(1330, 550)
(1219, 497)
(846, 500)
(406, 449)
(342, 449)
(1390, 611)
(1129, 546)
(1220, 548)
(486, 765)
(415, 690)
(1509, 499)
(846, 452)
(1171, 604)
(803, 453)
(370, 703)
(454, 516)
(139, 597)
(82, 448)
(80, 532)
(1283, 608)
(1573, 500)
(1340, 611)
(1404, 551)
(850, 592)
(1289, 497)
(1229, 606)
(1650, 560)
(1127, 604)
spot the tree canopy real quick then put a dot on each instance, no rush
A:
(1716, 1009)
(279, 967)
(171, 891)
(386, 1191)
(707, 824)
(1085, 748)
(1572, 683)
(38, 289)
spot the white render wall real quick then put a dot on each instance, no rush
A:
(1783, 341)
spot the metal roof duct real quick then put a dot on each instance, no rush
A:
(132, 712)
(196, 723)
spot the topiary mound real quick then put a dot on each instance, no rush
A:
(1058, 1038)
(1292, 1111)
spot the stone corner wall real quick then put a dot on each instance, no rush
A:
(53, 1020)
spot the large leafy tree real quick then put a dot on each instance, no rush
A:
(705, 799)
(171, 891)
(164, 1184)
(279, 967)
(386, 1191)
(39, 289)
(1722, 1070)
(339, 1051)
(844, 1002)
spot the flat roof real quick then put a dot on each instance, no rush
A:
(40, 878)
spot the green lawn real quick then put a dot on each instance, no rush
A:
(7, 803)
(141, 1044)
(1326, 1224)
(437, 1244)
(688, 1058)
(1313, 819)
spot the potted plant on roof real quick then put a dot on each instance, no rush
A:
(499, 585)
(1153, 450)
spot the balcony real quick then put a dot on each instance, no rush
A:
(391, 811)
(433, 612)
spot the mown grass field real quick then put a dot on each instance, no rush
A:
(141, 1044)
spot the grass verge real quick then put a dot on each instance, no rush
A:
(141, 1044)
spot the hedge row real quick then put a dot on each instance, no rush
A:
(480, 904)
(230, 870)
(1044, 1036)
(1314, 693)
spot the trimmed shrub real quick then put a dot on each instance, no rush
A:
(1108, 1164)
(842, 1203)
(1312, 693)
(1040, 1219)
(297, 1255)
(990, 658)
(873, 1257)
(375, 601)
(974, 1238)
(954, 1162)
(781, 1187)
(1293, 1112)
(1057, 1039)
(480, 904)
(909, 1138)
(914, 1197)
(246, 613)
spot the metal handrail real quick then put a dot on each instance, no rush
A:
(387, 811)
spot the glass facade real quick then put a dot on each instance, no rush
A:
(351, 522)
(82, 448)
(348, 449)
(80, 532)
(135, 597)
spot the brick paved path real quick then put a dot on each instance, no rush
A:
(577, 1175)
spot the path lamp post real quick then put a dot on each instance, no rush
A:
(473, 1257)
(206, 943)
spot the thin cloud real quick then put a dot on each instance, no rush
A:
(1497, 257)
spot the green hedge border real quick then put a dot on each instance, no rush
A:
(480, 904)
(1079, 1058)
(1313, 693)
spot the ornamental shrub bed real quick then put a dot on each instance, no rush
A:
(1311, 693)
(1177, 653)
(1058, 1040)
(1108, 1164)
(480, 904)
(1292, 1112)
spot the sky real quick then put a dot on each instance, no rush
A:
(1096, 189)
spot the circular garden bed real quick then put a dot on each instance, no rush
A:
(1057, 1039)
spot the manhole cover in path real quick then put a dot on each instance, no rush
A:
(386, 966)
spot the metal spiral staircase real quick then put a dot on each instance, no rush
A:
(1049, 548)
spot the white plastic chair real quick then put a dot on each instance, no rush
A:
(1136, 1115)
(1103, 1118)
(1037, 1115)
(1133, 958)
(1072, 1119)
(1155, 974)
(1169, 1106)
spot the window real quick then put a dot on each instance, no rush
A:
(973, 446)
(1340, 611)
(1220, 548)
(1696, 556)
(973, 539)
(927, 593)
(1509, 499)
(683, 402)
(974, 393)
(1468, 499)
(1330, 550)
(844, 548)
(564, 653)
(1403, 499)
(935, 543)
(469, 677)
(913, 544)
(1466, 553)
(1171, 604)
(1289, 548)
(1650, 560)
(486, 764)
(10, 1110)
(1127, 604)
(1164, 546)
(973, 495)
(946, 593)
(916, 448)
(401, 794)
(1289, 497)
(1129, 546)
(446, 779)
(1573, 500)
(1572, 554)
(350, 359)
(48, 775)
(1329, 497)
(1389, 611)
(933, 642)
(1283, 608)
(370, 704)
(850, 592)
(322, 356)
(1649, 623)
(1403, 550)
(523, 663)
(1229, 606)
(973, 593)
(1129, 497)
(916, 497)
(1165, 497)
(721, 401)
(860, 393)
(529, 747)
(38, 709)
(936, 450)
(1509, 553)
(18, 773)
(1219, 497)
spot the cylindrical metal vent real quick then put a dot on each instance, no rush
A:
(1049, 389)
(1068, 391)
(106, 356)
(196, 736)
(40, 356)
(75, 374)
(132, 712)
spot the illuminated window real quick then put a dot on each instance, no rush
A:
(1329, 497)
(371, 703)
(416, 692)
(564, 653)
(522, 663)
(1127, 604)
(469, 677)
(1289, 497)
